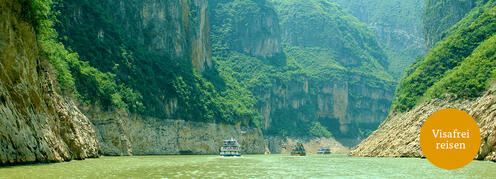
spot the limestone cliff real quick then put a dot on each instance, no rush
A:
(346, 87)
(398, 136)
(440, 15)
(467, 83)
(127, 134)
(179, 29)
(253, 27)
(397, 25)
(36, 123)
(324, 24)
(158, 49)
(152, 47)
(326, 66)
(346, 109)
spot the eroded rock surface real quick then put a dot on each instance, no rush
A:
(36, 123)
(398, 135)
(125, 134)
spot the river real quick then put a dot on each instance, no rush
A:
(248, 166)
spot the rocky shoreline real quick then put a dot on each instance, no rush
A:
(282, 145)
(36, 123)
(398, 135)
(120, 133)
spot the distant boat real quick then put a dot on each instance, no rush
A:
(230, 148)
(298, 150)
(324, 150)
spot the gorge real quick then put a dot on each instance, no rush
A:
(81, 79)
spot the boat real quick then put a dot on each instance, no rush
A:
(230, 148)
(324, 150)
(298, 150)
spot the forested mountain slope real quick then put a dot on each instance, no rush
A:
(157, 56)
(154, 51)
(437, 18)
(320, 66)
(397, 25)
(87, 78)
(459, 71)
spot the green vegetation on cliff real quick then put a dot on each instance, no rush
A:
(38, 14)
(248, 26)
(316, 64)
(321, 23)
(397, 25)
(38, 123)
(441, 15)
(465, 54)
(71, 72)
(288, 73)
(116, 71)
(317, 130)
(256, 76)
(472, 76)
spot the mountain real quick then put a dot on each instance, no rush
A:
(438, 19)
(154, 51)
(81, 79)
(457, 72)
(318, 68)
(397, 25)
(88, 82)
(158, 53)
(38, 124)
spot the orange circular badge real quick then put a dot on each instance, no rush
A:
(450, 139)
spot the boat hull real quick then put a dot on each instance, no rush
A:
(230, 155)
(298, 155)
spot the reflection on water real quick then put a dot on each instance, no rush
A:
(248, 166)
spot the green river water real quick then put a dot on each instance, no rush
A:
(248, 166)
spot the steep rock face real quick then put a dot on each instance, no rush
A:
(144, 22)
(397, 25)
(253, 27)
(398, 136)
(111, 130)
(402, 21)
(183, 137)
(322, 23)
(149, 47)
(348, 110)
(125, 134)
(438, 18)
(330, 66)
(346, 87)
(37, 124)
(466, 82)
